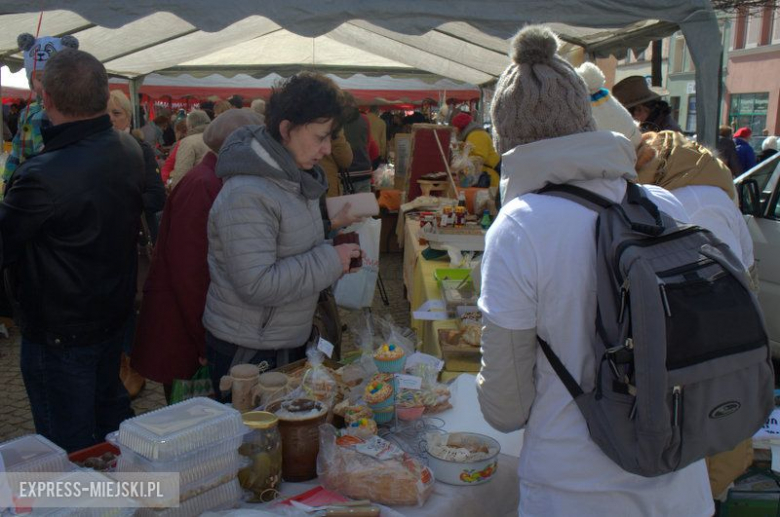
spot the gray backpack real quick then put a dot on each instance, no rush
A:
(683, 363)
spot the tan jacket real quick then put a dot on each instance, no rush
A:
(340, 158)
(191, 152)
(379, 133)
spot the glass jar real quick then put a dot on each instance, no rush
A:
(263, 447)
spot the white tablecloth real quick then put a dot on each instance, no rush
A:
(498, 497)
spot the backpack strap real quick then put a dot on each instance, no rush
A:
(571, 385)
(578, 195)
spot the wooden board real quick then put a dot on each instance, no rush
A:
(425, 155)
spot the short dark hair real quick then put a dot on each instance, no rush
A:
(77, 83)
(303, 98)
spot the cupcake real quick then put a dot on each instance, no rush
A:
(354, 413)
(379, 392)
(363, 428)
(389, 358)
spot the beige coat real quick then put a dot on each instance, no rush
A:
(191, 152)
(379, 133)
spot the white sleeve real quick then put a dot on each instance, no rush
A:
(509, 275)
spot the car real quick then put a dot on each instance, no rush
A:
(759, 200)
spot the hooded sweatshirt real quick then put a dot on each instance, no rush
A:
(267, 257)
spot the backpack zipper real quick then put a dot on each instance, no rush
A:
(664, 299)
(699, 264)
(676, 399)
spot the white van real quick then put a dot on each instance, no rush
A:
(759, 200)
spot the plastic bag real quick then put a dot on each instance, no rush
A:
(317, 382)
(198, 386)
(356, 290)
(398, 480)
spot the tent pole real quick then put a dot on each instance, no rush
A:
(135, 88)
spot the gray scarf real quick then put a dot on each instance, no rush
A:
(251, 150)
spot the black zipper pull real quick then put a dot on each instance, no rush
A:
(632, 413)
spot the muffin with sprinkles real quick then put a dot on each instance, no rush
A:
(390, 358)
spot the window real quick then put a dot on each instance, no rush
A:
(753, 36)
(679, 53)
(690, 121)
(774, 37)
(749, 110)
(674, 103)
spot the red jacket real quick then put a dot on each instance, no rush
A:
(170, 336)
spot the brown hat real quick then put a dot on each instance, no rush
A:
(633, 91)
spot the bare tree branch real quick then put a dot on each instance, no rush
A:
(739, 5)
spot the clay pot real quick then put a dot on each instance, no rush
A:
(300, 440)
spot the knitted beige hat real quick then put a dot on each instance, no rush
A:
(539, 95)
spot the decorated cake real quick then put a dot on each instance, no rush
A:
(389, 358)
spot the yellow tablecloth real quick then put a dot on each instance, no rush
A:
(421, 286)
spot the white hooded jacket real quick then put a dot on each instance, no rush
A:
(539, 276)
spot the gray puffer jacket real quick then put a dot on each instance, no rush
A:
(267, 257)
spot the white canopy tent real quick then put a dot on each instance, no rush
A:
(428, 39)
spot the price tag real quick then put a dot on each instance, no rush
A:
(420, 358)
(408, 382)
(326, 347)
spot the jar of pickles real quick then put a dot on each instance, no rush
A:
(263, 447)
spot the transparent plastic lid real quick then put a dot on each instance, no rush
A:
(169, 432)
(33, 453)
(227, 495)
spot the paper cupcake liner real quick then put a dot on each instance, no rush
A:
(383, 417)
(395, 366)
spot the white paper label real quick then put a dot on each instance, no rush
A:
(326, 347)
(408, 382)
(420, 358)
(378, 448)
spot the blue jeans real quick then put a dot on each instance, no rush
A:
(75, 393)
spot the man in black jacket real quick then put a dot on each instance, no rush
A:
(69, 223)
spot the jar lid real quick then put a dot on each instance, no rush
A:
(260, 419)
(244, 371)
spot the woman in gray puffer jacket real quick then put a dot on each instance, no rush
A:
(268, 258)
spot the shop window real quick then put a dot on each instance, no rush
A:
(749, 110)
(690, 121)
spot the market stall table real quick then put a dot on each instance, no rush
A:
(421, 286)
(498, 497)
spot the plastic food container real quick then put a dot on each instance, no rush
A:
(34, 453)
(171, 432)
(222, 497)
(466, 473)
(198, 469)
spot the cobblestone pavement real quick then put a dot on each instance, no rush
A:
(15, 416)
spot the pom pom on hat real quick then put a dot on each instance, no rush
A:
(534, 45)
(539, 95)
(608, 113)
(592, 75)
